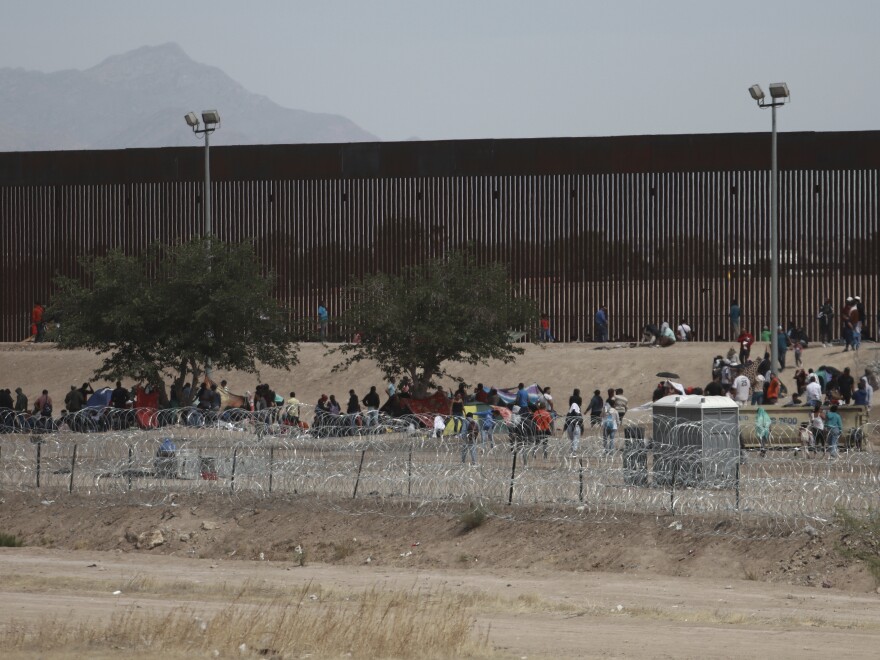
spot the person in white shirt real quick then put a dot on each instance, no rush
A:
(683, 331)
(814, 391)
(439, 426)
(610, 423)
(869, 389)
(742, 386)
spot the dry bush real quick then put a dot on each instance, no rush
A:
(376, 625)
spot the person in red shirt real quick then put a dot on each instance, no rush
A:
(546, 335)
(543, 421)
(37, 325)
(745, 339)
(773, 388)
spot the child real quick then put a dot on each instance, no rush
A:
(807, 440)
(797, 354)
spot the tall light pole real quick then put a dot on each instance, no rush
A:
(778, 95)
(212, 123)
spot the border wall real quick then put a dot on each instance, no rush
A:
(655, 227)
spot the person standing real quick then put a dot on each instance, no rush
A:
(353, 410)
(38, 326)
(43, 405)
(762, 429)
(488, 429)
(845, 384)
(610, 424)
(74, 401)
(469, 439)
(741, 387)
(546, 335)
(745, 340)
(735, 315)
(371, 402)
(596, 405)
(601, 323)
(522, 397)
(119, 396)
(323, 320)
(21, 401)
(574, 424)
(781, 346)
(621, 403)
(826, 320)
(293, 407)
(551, 408)
(458, 416)
(833, 427)
(817, 426)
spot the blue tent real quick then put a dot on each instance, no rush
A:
(100, 399)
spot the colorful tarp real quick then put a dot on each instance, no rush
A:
(508, 394)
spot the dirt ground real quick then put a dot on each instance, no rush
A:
(632, 587)
(563, 367)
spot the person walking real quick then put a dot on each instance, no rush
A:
(458, 416)
(574, 424)
(487, 432)
(610, 424)
(596, 408)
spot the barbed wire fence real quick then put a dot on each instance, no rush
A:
(656, 466)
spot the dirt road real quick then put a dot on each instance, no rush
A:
(531, 613)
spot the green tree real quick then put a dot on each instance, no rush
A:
(446, 310)
(172, 311)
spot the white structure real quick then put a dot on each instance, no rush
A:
(696, 440)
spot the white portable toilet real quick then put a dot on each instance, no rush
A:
(708, 439)
(665, 421)
(696, 440)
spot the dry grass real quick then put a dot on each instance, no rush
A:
(378, 625)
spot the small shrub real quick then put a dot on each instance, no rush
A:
(342, 550)
(473, 517)
(10, 541)
(862, 536)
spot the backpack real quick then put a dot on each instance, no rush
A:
(47, 410)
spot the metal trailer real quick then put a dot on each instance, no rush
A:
(785, 420)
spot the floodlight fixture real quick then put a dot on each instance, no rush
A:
(191, 119)
(779, 90)
(756, 92)
(210, 117)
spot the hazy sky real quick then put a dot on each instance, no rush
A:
(446, 69)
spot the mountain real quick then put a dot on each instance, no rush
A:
(139, 98)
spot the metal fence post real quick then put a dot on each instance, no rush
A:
(39, 451)
(512, 478)
(72, 468)
(271, 464)
(234, 461)
(358, 480)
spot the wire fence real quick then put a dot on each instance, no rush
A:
(653, 466)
